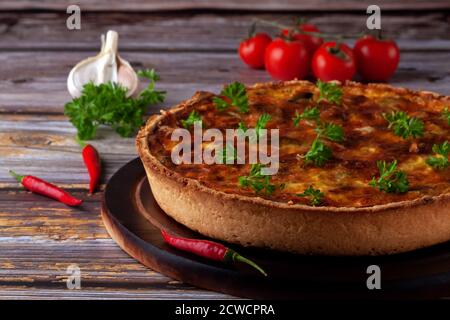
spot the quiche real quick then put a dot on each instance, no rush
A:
(362, 169)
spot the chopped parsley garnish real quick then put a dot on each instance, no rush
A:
(315, 195)
(307, 114)
(403, 125)
(440, 161)
(391, 180)
(332, 131)
(237, 93)
(242, 126)
(220, 103)
(108, 104)
(149, 95)
(229, 155)
(446, 115)
(257, 181)
(318, 154)
(193, 117)
(330, 92)
(261, 123)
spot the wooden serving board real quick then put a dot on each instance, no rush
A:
(133, 219)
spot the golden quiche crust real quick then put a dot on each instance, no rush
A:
(355, 219)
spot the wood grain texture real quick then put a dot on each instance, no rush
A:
(45, 146)
(41, 87)
(108, 293)
(40, 238)
(204, 31)
(262, 5)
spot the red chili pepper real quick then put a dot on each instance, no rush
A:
(36, 185)
(92, 162)
(208, 249)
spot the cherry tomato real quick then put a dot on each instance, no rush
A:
(252, 50)
(331, 62)
(311, 43)
(287, 60)
(376, 60)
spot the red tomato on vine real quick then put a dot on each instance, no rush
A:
(333, 61)
(376, 59)
(311, 43)
(287, 59)
(252, 50)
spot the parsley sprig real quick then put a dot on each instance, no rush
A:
(391, 179)
(228, 156)
(403, 125)
(237, 93)
(332, 131)
(261, 123)
(193, 117)
(440, 160)
(330, 92)
(308, 114)
(242, 126)
(315, 195)
(318, 154)
(149, 95)
(108, 104)
(257, 181)
(446, 115)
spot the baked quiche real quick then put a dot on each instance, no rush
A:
(362, 170)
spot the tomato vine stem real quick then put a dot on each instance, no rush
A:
(293, 30)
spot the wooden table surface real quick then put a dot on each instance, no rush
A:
(192, 44)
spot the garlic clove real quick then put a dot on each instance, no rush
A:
(127, 77)
(105, 67)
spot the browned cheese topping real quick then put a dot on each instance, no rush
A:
(344, 179)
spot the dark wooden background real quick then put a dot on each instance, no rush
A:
(192, 44)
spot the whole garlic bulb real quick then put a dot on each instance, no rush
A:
(104, 67)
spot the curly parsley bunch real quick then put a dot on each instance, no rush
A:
(108, 104)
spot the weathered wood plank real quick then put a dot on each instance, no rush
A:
(40, 238)
(27, 86)
(203, 32)
(21, 293)
(262, 5)
(45, 146)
